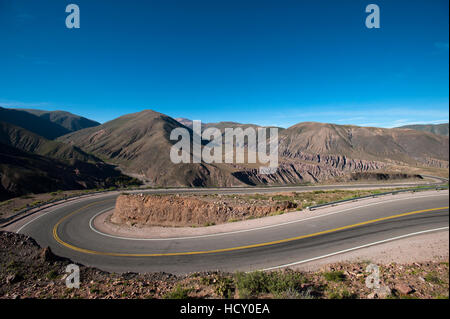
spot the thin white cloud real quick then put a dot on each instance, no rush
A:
(441, 45)
(418, 123)
(352, 119)
(32, 59)
(24, 16)
(20, 104)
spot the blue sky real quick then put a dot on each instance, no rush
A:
(264, 62)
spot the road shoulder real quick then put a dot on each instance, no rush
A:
(416, 249)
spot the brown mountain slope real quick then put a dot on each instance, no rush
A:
(439, 129)
(140, 143)
(314, 141)
(30, 142)
(23, 172)
(30, 163)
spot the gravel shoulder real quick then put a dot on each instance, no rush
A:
(416, 249)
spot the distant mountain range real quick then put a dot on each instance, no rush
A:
(65, 119)
(220, 125)
(27, 141)
(364, 143)
(439, 129)
(49, 124)
(84, 152)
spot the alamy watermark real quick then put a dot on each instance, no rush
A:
(231, 146)
(373, 19)
(73, 19)
(73, 277)
(373, 281)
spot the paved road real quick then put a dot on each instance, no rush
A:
(66, 230)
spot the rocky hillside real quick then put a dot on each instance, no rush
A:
(312, 152)
(336, 144)
(29, 271)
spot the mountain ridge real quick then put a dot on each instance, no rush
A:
(70, 121)
(439, 129)
(32, 123)
(33, 163)
(27, 141)
(309, 151)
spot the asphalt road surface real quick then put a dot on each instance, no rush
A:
(65, 228)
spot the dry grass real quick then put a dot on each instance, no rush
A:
(12, 206)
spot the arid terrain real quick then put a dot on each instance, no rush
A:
(244, 151)
(308, 152)
(42, 151)
(32, 161)
(175, 210)
(46, 156)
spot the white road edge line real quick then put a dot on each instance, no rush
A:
(354, 248)
(30, 221)
(37, 217)
(91, 226)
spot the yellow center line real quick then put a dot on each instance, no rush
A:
(93, 252)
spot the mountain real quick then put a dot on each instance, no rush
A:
(33, 123)
(366, 143)
(31, 163)
(23, 172)
(27, 141)
(219, 125)
(308, 152)
(184, 121)
(65, 119)
(140, 144)
(439, 129)
(312, 152)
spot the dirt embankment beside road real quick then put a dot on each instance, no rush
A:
(211, 209)
(175, 210)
